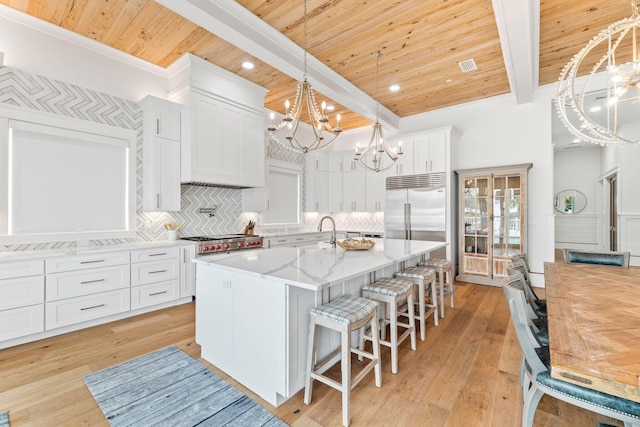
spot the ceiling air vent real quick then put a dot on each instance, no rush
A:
(468, 65)
(572, 147)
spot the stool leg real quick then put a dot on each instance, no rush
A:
(450, 281)
(441, 279)
(375, 344)
(434, 301)
(308, 388)
(393, 316)
(346, 375)
(412, 321)
(422, 309)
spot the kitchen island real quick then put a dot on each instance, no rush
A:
(252, 308)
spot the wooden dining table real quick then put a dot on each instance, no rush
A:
(594, 326)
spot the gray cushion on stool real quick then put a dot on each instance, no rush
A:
(417, 272)
(389, 287)
(345, 309)
(436, 262)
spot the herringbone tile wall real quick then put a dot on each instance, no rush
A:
(25, 90)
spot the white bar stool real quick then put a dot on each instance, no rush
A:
(423, 277)
(393, 292)
(344, 314)
(442, 266)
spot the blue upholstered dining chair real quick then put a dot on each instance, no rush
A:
(616, 259)
(537, 379)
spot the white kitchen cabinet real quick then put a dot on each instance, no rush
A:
(81, 288)
(187, 271)
(253, 310)
(81, 309)
(155, 276)
(21, 299)
(297, 240)
(335, 192)
(429, 153)
(316, 182)
(161, 154)
(375, 190)
(404, 164)
(354, 191)
(226, 146)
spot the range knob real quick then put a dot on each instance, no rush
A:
(206, 248)
(219, 247)
(227, 246)
(241, 245)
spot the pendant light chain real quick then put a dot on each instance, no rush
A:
(304, 75)
(634, 9)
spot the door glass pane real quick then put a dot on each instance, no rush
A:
(482, 206)
(482, 245)
(470, 245)
(483, 186)
(499, 185)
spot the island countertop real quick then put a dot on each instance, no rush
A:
(314, 268)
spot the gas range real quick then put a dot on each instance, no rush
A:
(220, 244)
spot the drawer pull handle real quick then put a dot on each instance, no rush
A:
(164, 253)
(91, 262)
(91, 281)
(92, 307)
(157, 293)
(158, 271)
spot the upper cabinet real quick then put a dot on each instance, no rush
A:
(430, 153)
(161, 154)
(223, 139)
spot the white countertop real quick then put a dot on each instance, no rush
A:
(314, 268)
(46, 253)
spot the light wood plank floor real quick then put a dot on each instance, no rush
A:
(464, 374)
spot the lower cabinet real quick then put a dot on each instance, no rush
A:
(81, 309)
(46, 297)
(21, 299)
(241, 325)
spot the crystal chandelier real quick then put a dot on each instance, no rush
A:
(317, 117)
(378, 151)
(622, 68)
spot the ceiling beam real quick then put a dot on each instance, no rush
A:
(232, 22)
(519, 29)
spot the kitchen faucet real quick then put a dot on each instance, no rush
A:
(333, 233)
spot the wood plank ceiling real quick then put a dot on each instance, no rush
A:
(422, 43)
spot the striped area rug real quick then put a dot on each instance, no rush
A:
(4, 419)
(170, 388)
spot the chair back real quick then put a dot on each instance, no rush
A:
(516, 267)
(517, 307)
(617, 259)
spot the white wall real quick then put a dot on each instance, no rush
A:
(579, 169)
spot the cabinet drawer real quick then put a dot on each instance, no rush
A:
(155, 293)
(280, 241)
(22, 321)
(152, 272)
(81, 262)
(21, 269)
(80, 309)
(21, 291)
(86, 282)
(155, 254)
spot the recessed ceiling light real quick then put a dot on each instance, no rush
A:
(449, 80)
(394, 88)
(330, 108)
(576, 141)
(247, 65)
(595, 109)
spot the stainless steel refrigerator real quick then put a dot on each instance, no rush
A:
(415, 208)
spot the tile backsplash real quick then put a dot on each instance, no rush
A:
(21, 89)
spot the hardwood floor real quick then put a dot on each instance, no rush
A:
(464, 374)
